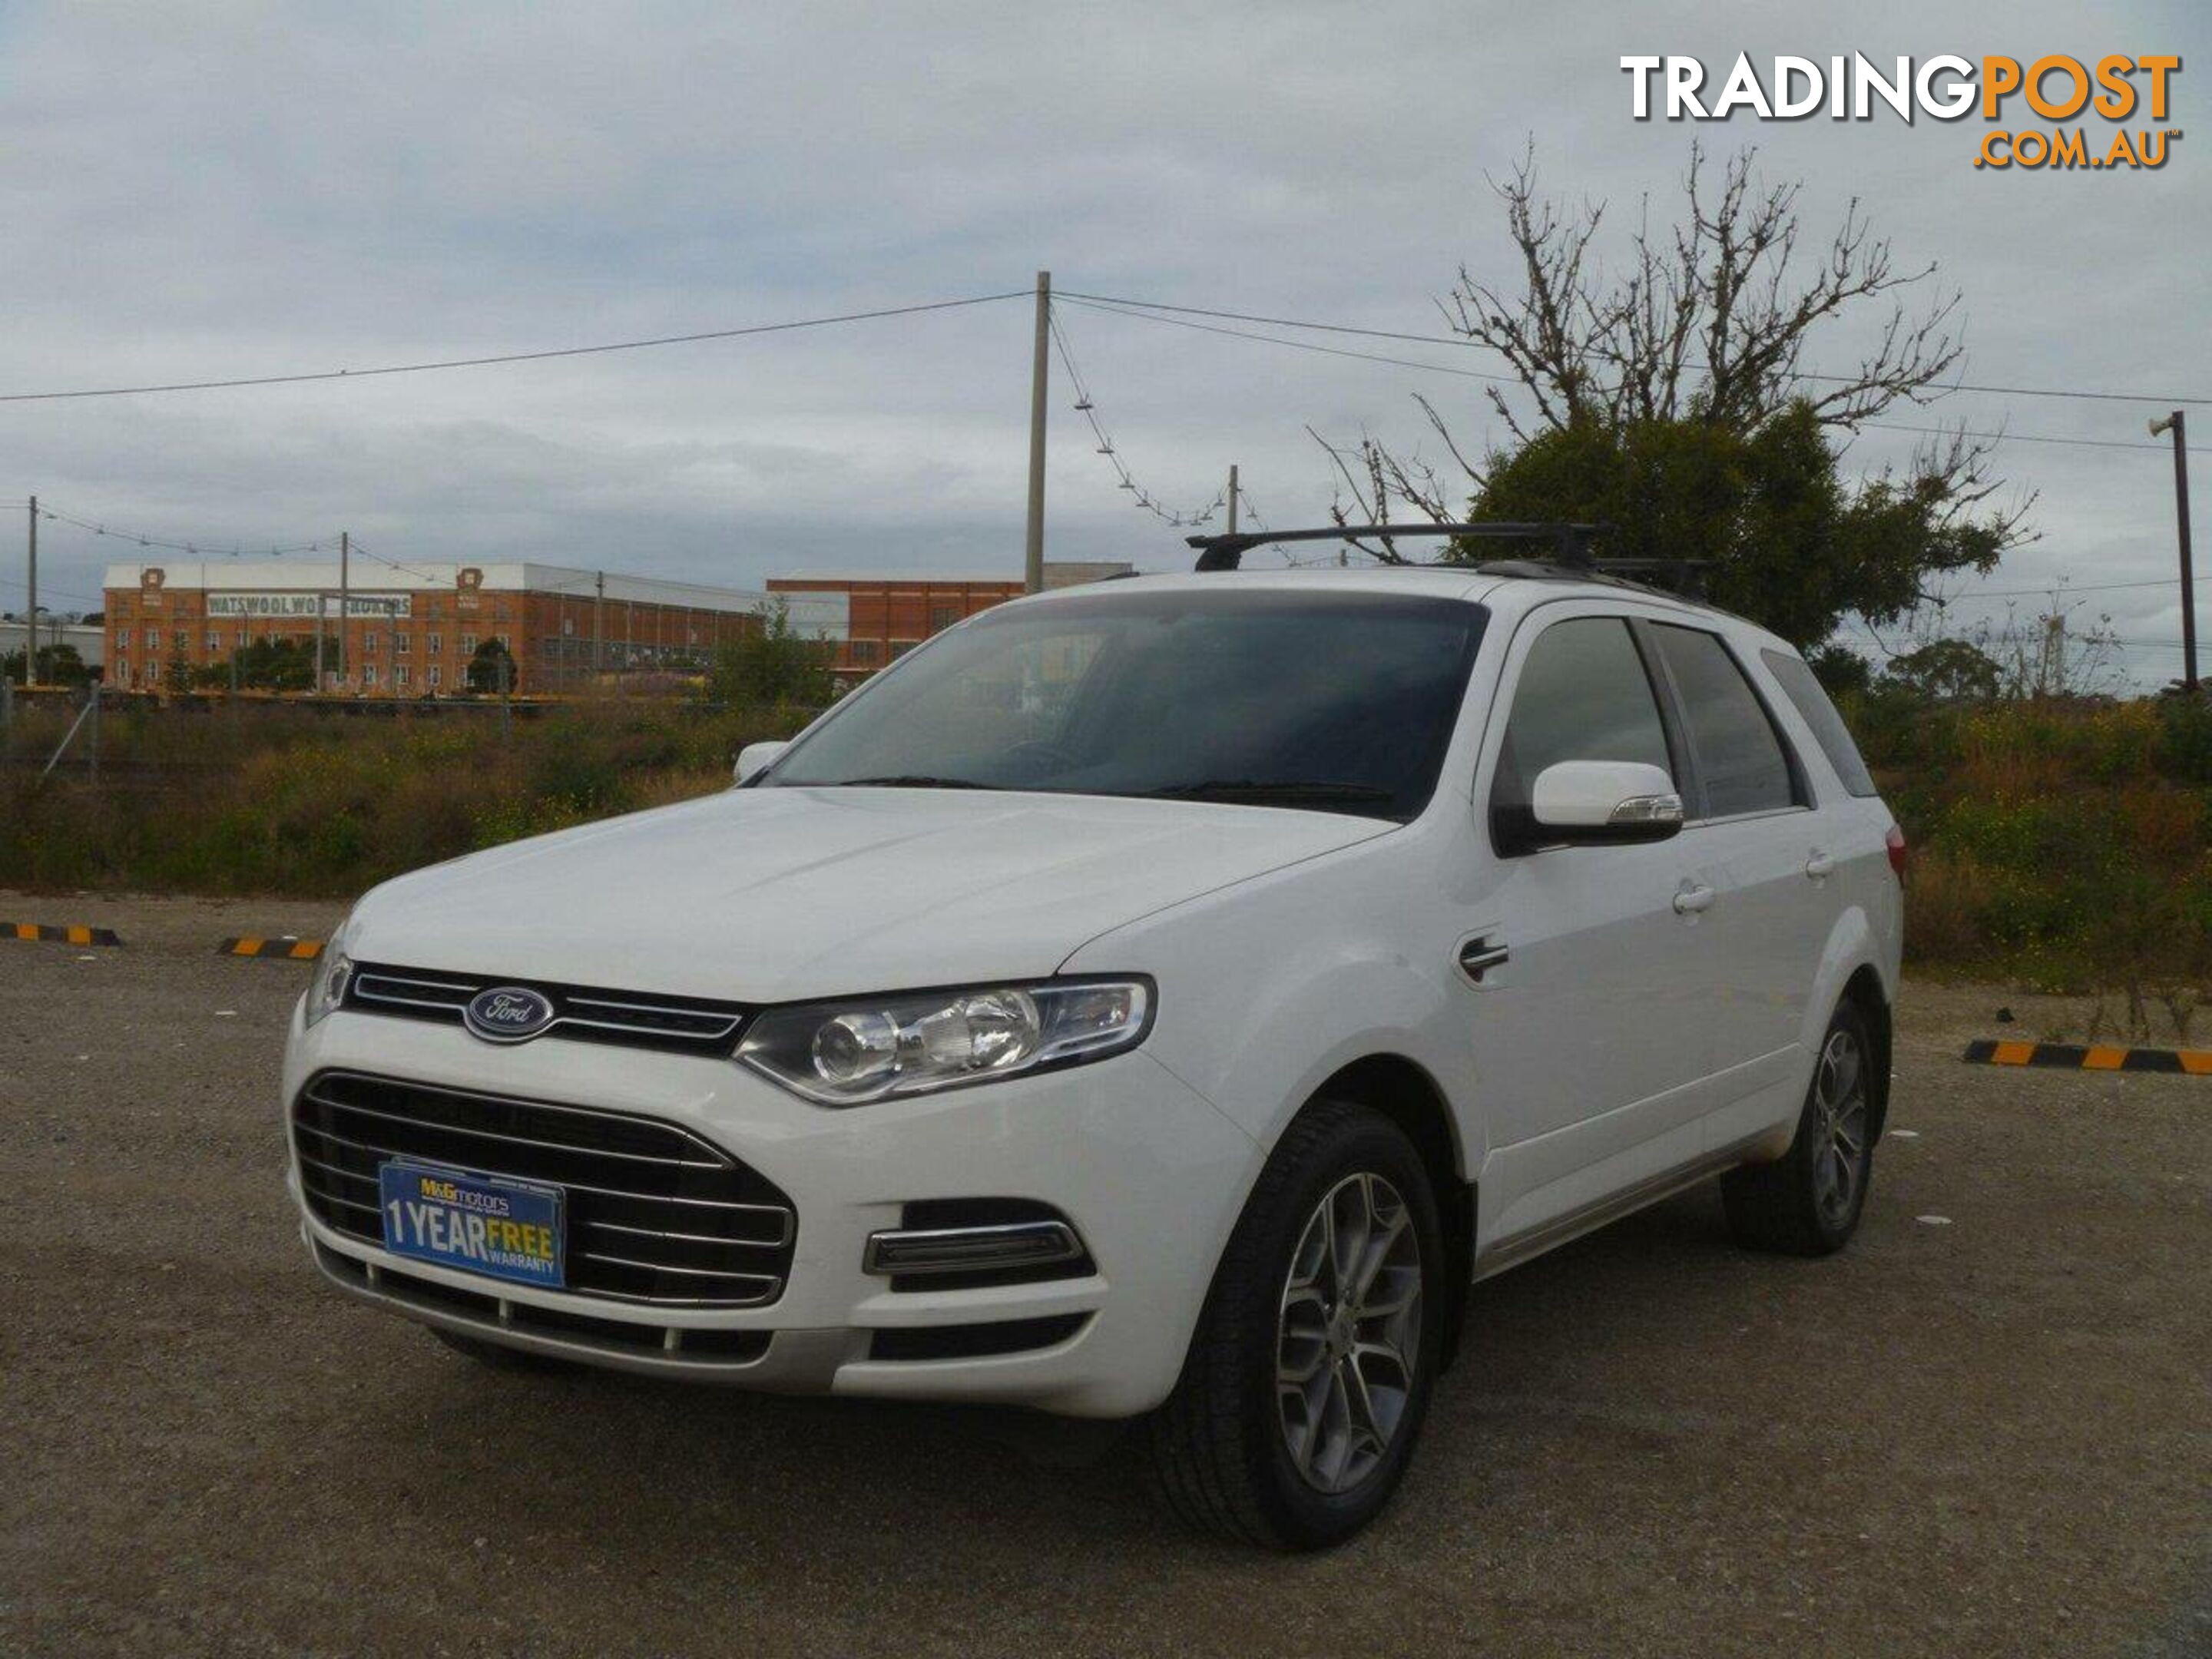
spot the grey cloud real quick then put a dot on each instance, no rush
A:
(247, 188)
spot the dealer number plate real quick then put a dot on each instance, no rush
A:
(500, 1229)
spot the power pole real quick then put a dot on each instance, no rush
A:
(322, 614)
(345, 595)
(31, 632)
(1232, 498)
(598, 632)
(2175, 424)
(1040, 375)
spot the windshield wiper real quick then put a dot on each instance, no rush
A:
(1290, 794)
(912, 780)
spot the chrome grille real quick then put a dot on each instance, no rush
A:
(653, 1213)
(686, 1024)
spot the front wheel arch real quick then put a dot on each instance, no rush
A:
(1404, 1092)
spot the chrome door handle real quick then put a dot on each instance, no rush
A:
(1690, 900)
(1820, 864)
(1480, 954)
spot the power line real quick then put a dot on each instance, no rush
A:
(510, 356)
(197, 550)
(2017, 437)
(393, 564)
(1464, 343)
(2059, 586)
(1299, 345)
(1509, 379)
(1087, 408)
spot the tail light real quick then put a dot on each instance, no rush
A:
(1898, 854)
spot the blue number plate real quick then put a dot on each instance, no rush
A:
(502, 1228)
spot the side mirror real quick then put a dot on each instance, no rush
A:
(1597, 802)
(757, 757)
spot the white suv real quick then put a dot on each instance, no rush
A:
(1166, 996)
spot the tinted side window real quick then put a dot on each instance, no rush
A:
(1803, 691)
(1582, 695)
(1741, 759)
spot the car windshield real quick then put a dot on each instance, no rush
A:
(1329, 702)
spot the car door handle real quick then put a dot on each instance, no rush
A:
(1480, 954)
(1691, 900)
(1820, 864)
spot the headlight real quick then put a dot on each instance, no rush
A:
(333, 970)
(847, 1054)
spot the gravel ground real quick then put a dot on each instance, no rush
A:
(1991, 1435)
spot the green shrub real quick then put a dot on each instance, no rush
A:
(280, 798)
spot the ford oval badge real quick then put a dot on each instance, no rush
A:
(509, 1013)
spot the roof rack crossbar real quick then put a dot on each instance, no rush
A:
(1226, 552)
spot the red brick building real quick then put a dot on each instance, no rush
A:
(871, 621)
(412, 632)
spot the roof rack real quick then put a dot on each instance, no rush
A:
(1681, 577)
(1226, 552)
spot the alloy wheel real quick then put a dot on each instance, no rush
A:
(1839, 1108)
(1349, 1333)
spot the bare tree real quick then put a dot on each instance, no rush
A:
(1707, 322)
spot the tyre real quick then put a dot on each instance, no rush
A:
(1310, 1371)
(1808, 1202)
(496, 1356)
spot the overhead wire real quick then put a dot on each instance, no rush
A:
(1087, 406)
(491, 360)
(1509, 379)
(1464, 343)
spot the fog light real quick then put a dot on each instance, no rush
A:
(971, 1249)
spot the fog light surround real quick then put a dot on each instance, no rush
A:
(971, 1249)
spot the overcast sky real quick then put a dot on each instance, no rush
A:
(200, 191)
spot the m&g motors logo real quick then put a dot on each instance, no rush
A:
(2114, 91)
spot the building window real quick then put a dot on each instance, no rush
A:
(864, 653)
(399, 676)
(900, 647)
(402, 644)
(942, 617)
(468, 645)
(123, 671)
(184, 641)
(505, 642)
(153, 638)
(368, 674)
(368, 644)
(437, 645)
(214, 641)
(437, 676)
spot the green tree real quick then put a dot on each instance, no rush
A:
(492, 667)
(58, 665)
(1947, 671)
(1785, 540)
(1669, 393)
(262, 664)
(773, 663)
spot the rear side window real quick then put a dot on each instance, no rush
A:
(1583, 695)
(1741, 759)
(1803, 690)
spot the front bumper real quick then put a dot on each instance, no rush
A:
(1151, 1174)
